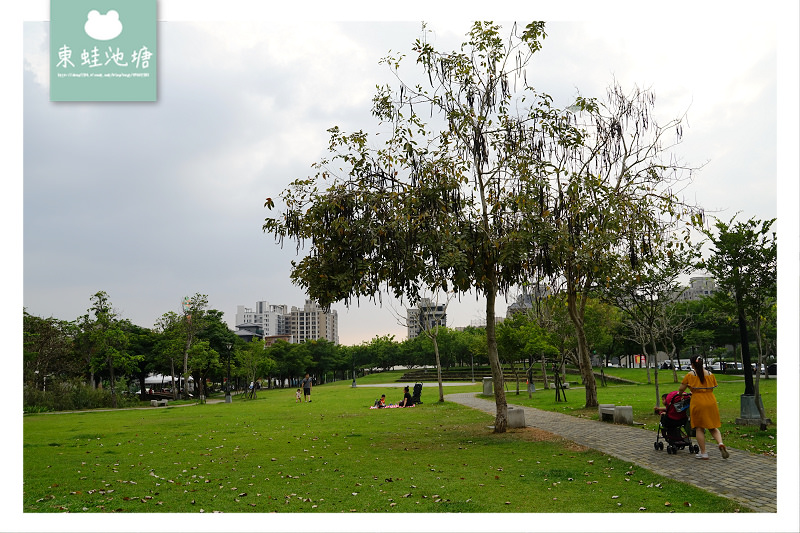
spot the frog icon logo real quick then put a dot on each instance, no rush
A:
(103, 27)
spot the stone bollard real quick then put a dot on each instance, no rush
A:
(623, 414)
(516, 417)
(487, 386)
(606, 412)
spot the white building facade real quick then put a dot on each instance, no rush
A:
(699, 287)
(312, 323)
(425, 316)
(308, 323)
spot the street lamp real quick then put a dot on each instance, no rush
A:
(354, 371)
(228, 345)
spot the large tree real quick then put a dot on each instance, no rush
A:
(443, 203)
(194, 321)
(107, 341)
(744, 262)
(48, 349)
(610, 200)
(169, 345)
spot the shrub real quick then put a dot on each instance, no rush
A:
(70, 396)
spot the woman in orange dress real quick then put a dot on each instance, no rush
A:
(703, 409)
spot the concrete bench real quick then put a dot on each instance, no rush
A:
(619, 414)
(158, 403)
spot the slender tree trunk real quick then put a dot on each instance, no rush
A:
(185, 373)
(544, 374)
(584, 362)
(172, 377)
(748, 372)
(111, 378)
(438, 366)
(516, 374)
(646, 363)
(655, 368)
(501, 419)
(763, 422)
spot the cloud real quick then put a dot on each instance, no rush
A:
(103, 27)
(153, 202)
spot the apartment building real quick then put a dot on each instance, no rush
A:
(311, 323)
(278, 321)
(425, 316)
(699, 287)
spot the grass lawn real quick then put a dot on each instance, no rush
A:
(643, 397)
(331, 455)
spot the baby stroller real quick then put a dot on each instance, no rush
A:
(673, 426)
(417, 393)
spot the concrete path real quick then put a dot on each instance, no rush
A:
(749, 479)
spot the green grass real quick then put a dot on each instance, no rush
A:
(642, 398)
(331, 455)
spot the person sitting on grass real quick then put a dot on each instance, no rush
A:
(407, 401)
(381, 402)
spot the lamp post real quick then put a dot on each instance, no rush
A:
(228, 345)
(354, 371)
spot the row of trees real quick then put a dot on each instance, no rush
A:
(102, 349)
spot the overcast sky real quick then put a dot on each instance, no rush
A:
(151, 202)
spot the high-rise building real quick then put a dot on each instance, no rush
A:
(268, 319)
(312, 322)
(425, 316)
(308, 323)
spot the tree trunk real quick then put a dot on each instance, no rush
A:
(584, 362)
(438, 367)
(172, 377)
(501, 419)
(748, 372)
(763, 422)
(111, 378)
(655, 369)
(185, 374)
(544, 374)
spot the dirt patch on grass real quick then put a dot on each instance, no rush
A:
(539, 435)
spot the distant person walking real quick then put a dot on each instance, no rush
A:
(306, 384)
(703, 409)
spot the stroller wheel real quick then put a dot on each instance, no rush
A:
(655, 445)
(660, 445)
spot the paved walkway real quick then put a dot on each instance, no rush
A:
(749, 479)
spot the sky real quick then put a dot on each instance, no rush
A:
(152, 202)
